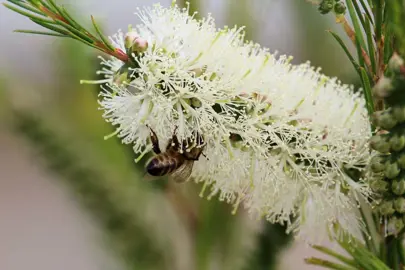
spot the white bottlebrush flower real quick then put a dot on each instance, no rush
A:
(279, 138)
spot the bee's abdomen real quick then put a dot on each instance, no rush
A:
(163, 164)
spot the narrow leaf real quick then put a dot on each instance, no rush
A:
(51, 27)
(336, 255)
(327, 264)
(26, 6)
(27, 14)
(71, 20)
(52, 5)
(75, 31)
(378, 18)
(388, 45)
(371, 48)
(367, 91)
(39, 33)
(342, 44)
(102, 37)
(367, 10)
(356, 24)
(359, 13)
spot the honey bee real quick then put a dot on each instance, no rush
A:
(177, 161)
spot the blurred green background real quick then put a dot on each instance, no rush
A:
(71, 200)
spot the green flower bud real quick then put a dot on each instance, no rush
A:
(379, 185)
(377, 164)
(326, 6)
(391, 170)
(384, 119)
(383, 88)
(380, 143)
(398, 186)
(395, 63)
(401, 161)
(386, 208)
(399, 205)
(340, 8)
(394, 226)
(397, 142)
(399, 114)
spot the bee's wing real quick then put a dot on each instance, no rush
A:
(183, 172)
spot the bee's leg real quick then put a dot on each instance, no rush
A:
(173, 142)
(155, 141)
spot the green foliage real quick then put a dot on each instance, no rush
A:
(57, 19)
(378, 32)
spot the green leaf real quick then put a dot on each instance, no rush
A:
(102, 37)
(26, 6)
(39, 33)
(71, 20)
(367, 91)
(76, 32)
(27, 14)
(359, 13)
(51, 27)
(327, 264)
(370, 43)
(343, 259)
(356, 24)
(378, 11)
(361, 254)
(359, 53)
(367, 10)
(346, 50)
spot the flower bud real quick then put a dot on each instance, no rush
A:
(380, 143)
(340, 8)
(383, 88)
(326, 6)
(379, 185)
(399, 205)
(377, 164)
(395, 63)
(397, 142)
(130, 38)
(384, 119)
(391, 170)
(135, 43)
(386, 208)
(401, 160)
(140, 45)
(399, 113)
(398, 186)
(394, 226)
